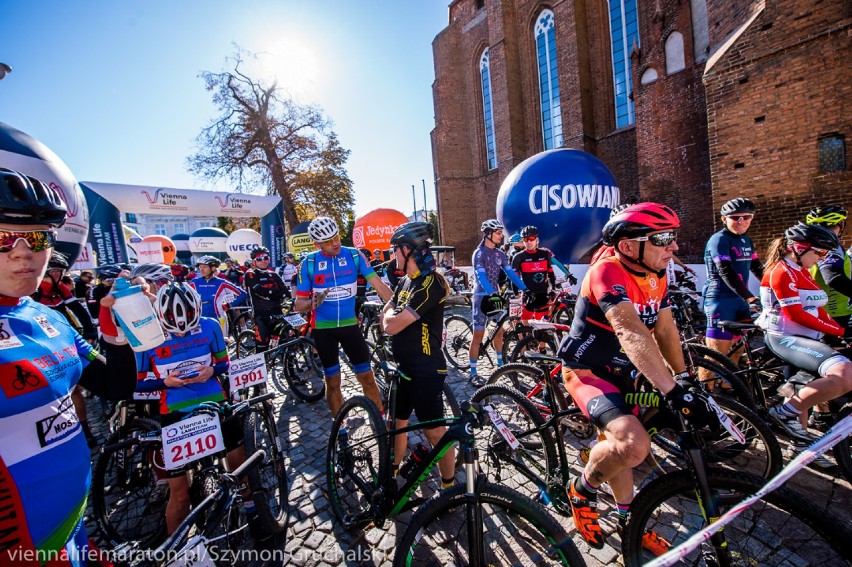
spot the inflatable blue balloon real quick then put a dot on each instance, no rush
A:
(568, 194)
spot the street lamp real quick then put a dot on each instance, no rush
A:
(4, 69)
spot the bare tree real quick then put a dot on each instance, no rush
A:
(264, 139)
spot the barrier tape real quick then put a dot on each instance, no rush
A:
(832, 437)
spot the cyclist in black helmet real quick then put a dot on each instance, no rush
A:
(833, 272)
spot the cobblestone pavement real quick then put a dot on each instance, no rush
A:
(315, 539)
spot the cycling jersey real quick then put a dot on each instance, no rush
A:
(203, 346)
(729, 257)
(536, 270)
(44, 459)
(337, 276)
(832, 273)
(215, 293)
(792, 303)
(487, 264)
(267, 290)
(417, 347)
(592, 342)
(59, 297)
(287, 272)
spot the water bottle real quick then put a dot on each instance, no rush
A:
(417, 456)
(135, 315)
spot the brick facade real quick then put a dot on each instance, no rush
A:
(698, 137)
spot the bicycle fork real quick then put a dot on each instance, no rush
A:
(473, 511)
(708, 504)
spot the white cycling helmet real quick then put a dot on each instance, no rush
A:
(152, 272)
(491, 225)
(322, 229)
(178, 307)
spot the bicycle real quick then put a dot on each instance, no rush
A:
(196, 538)
(130, 490)
(363, 490)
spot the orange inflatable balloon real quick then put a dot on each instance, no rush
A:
(169, 250)
(375, 229)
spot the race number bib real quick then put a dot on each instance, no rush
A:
(502, 427)
(295, 320)
(248, 371)
(515, 307)
(192, 439)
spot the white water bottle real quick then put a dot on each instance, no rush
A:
(134, 312)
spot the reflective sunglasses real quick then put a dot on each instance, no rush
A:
(331, 240)
(740, 218)
(819, 252)
(530, 238)
(37, 240)
(262, 259)
(660, 239)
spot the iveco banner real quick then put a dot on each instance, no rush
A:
(25, 154)
(566, 193)
(106, 233)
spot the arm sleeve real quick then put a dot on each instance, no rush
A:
(756, 266)
(730, 277)
(555, 261)
(513, 277)
(785, 289)
(835, 277)
(482, 278)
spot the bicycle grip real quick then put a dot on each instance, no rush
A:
(256, 458)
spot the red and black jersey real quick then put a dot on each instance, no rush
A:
(535, 269)
(267, 291)
(592, 342)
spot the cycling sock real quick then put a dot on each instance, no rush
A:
(622, 510)
(582, 486)
(789, 410)
(447, 482)
(499, 359)
(395, 470)
(472, 367)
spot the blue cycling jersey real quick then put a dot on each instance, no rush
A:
(338, 276)
(725, 246)
(487, 263)
(203, 346)
(216, 292)
(44, 460)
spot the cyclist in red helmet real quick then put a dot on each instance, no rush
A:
(623, 323)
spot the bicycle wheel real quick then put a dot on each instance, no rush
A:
(303, 370)
(457, 336)
(719, 381)
(451, 404)
(563, 316)
(780, 529)
(246, 343)
(225, 533)
(357, 461)
(533, 342)
(699, 350)
(510, 529)
(268, 481)
(536, 454)
(760, 455)
(128, 495)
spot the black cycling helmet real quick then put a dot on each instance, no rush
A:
(57, 262)
(529, 230)
(812, 234)
(26, 200)
(108, 271)
(258, 251)
(289, 256)
(208, 261)
(415, 235)
(831, 215)
(618, 208)
(738, 205)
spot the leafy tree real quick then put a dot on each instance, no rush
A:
(348, 227)
(264, 139)
(433, 220)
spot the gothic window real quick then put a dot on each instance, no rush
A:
(548, 80)
(674, 53)
(487, 110)
(624, 31)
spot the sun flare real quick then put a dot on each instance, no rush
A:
(292, 63)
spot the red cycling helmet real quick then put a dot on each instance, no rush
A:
(638, 220)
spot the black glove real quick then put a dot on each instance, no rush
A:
(690, 402)
(571, 279)
(496, 301)
(529, 298)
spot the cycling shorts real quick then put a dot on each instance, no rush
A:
(601, 400)
(232, 435)
(538, 314)
(329, 342)
(805, 354)
(480, 319)
(424, 395)
(724, 309)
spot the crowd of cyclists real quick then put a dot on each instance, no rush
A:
(58, 335)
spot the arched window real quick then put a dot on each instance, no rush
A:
(624, 31)
(548, 80)
(487, 110)
(674, 53)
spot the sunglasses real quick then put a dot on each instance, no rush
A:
(660, 239)
(819, 252)
(329, 241)
(37, 240)
(262, 259)
(740, 218)
(530, 238)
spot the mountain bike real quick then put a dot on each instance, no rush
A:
(475, 522)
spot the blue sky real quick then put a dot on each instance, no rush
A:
(112, 86)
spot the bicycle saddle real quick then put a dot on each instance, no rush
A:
(736, 326)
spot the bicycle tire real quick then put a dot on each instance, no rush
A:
(128, 502)
(303, 371)
(246, 344)
(536, 450)
(242, 322)
(268, 481)
(760, 456)
(723, 382)
(563, 316)
(704, 351)
(227, 533)
(518, 530)
(458, 333)
(357, 464)
(780, 529)
(532, 342)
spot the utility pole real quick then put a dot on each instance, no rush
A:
(425, 210)
(414, 200)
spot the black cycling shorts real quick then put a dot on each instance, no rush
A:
(424, 395)
(805, 354)
(329, 342)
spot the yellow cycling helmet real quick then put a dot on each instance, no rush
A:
(826, 216)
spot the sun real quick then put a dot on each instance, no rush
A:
(293, 64)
